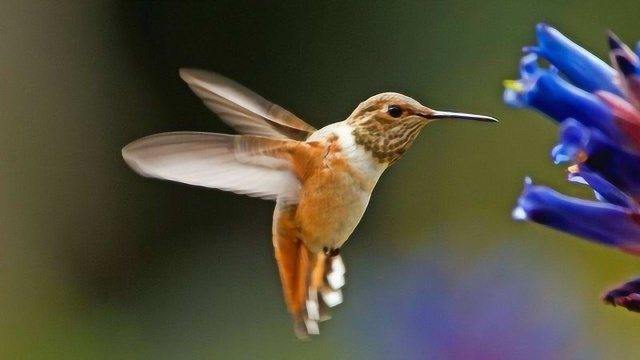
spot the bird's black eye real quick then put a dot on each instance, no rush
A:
(394, 110)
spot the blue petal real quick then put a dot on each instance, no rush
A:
(626, 66)
(582, 68)
(604, 190)
(573, 138)
(514, 98)
(556, 98)
(561, 154)
(602, 223)
(614, 42)
(560, 100)
(623, 57)
(515, 93)
(597, 154)
(616, 165)
(529, 66)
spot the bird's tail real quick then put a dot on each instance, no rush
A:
(311, 282)
(324, 292)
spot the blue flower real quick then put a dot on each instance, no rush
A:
(582, 68)
(599, 221)
(595, 153)
(598, 109)
(545, 91)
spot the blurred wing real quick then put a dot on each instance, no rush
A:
(244, 110)
(241, 164)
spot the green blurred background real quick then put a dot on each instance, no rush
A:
(97, 262)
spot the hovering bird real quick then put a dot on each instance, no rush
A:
(321, 180)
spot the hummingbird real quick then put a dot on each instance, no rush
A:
(321, 180)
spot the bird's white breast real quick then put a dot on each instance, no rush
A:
(357, 156)
(334, 200)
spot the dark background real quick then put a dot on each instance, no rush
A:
(97, 262)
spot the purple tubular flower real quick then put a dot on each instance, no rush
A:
(599, 222)
(628, 64)
(582, 68)
(560, 100)
(573, 138)
(630, 79)
(623, 58)
(598, 108)
(625, 116)
(603, 190)
(547, 92)
(593, 152)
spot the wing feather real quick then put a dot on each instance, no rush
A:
(241, 164)
(244, 110)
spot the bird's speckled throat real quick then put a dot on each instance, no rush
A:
(386, 139)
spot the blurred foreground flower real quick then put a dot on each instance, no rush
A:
(597, 109)
(500, 305)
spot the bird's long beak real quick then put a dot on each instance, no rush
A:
(436, 115)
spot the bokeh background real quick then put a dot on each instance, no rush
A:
(99, 263)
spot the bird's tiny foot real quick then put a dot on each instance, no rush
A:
(331, 252)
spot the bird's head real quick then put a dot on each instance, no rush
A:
(387, 124)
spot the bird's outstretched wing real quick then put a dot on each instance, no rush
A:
(249, 165)
(244, 110)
